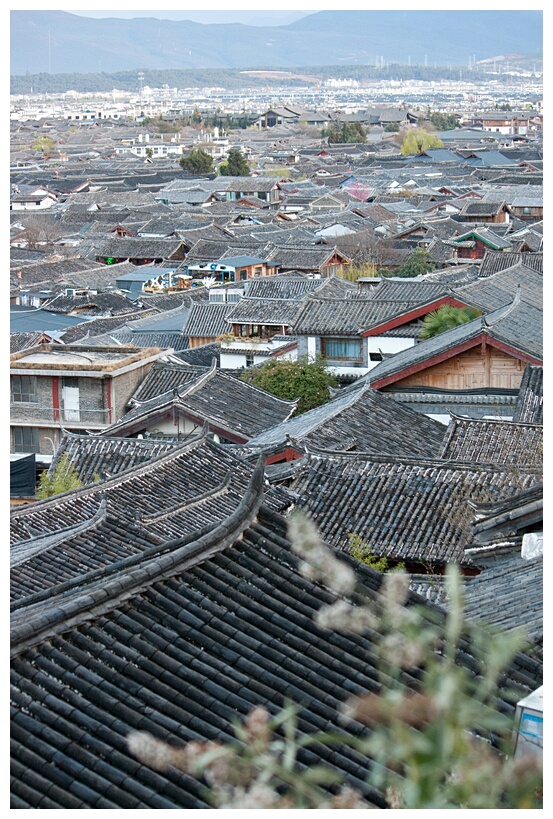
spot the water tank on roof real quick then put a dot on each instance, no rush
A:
(528, 739)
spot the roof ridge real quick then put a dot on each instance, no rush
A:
(108, 586)
(503, 311)
(200, 382)
(22, 550)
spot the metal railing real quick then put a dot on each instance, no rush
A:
(48, 414)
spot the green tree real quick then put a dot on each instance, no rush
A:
(445, 318)
(197, 161)
(352, 272)
(417, 140)
(236, 164)
(362, 551)
(442, 121)
(345, 132)
(304, 379)
(44, 144)
(61, 478)
(149, 152)
(417, 264)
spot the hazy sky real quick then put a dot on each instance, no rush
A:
(251, 18)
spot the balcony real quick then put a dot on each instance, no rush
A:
(42, 415)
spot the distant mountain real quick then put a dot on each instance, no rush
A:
(60, 42)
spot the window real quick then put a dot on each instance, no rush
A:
(24, 389)
(243, 275)
(249, 361)
(25, 439)
(342, 349)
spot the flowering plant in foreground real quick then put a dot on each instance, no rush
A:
(442, 744)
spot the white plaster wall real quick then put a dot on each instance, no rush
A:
(388, 344)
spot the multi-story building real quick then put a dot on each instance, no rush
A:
(71, 387)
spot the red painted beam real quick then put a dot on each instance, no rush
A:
(506, 348)
(405, 318)
(286, 455)
(56, 397)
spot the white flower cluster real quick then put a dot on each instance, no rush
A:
(402, 652)
(342, 616)
(320, 562)
(257, 796)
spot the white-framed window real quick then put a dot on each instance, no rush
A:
(342, 349)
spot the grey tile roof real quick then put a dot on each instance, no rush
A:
(493, 442)
(168, 301)
(99, 277)
(139, 248)
(334, 287)
(280, 287)
(529, 404)
(519, 326)
(508, 597)
(91, 304)
(473, 404)
(494, 261)
(498, 289)
(170, 320)
(48, 271)
(482, 234)
(482, 208)
(414, 510)
(111, 198)
(208, 250)
(164, 377)
(521, 195)
(406, 290)
(179, 638)
(174, 340)
(503, 520)
(358, 418)
(99, 456)
(207, 320)
(300, 258)
(177, 493)
(456, 275)
(201, 356)
(329, 316)
(21, 341)
(231, 407)
(280, 312)
(96, 327)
